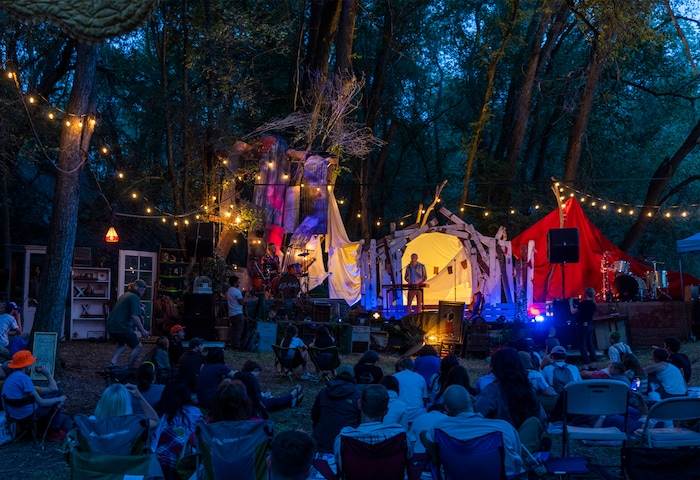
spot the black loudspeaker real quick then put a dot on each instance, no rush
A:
(199, 316)
(562, 245)
(200, 240)
(321, 312)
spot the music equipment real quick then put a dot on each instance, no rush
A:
(562, 245)
(200, 240)
(625, 288)
(621, 267)
(199, 316)
(286, 285)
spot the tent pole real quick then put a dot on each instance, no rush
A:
(454, 273)
(563, 281)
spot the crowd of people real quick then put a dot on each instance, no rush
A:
(519, 397)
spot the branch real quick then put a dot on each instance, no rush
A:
(678, 188)
(438, 191)
(680, 34)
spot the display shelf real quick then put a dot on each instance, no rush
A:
(90, 292)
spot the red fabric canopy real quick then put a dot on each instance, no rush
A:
(547, 282)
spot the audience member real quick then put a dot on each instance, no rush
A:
(464, 424)
(231, 403)
(269, 402)
(413, 389)
(672, 345)
(396, 411)
(667, 377)
(126, 315)
(373, 405)
(19, 386)
(323, 338)
(560, 373)
(423, 423)
(10, 326)
(160, 357)
(435, 385)
(212, 372)
(335, 407)
(115, 401)
(290, 456)
(236, 301)
(145, 382)
(191, 362)
(176, 425)
(511, 397)
(292, 341)
(176, 348)
(366, 370)
(617, 347)
(427, 363)
(633, 369)
(457, 376)
(291, 453)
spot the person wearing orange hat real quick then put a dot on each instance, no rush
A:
(176, 349)
(19, 386)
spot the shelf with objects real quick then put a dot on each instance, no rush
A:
(174, 280)
(90, 295)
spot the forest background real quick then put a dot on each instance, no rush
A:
(145, 129)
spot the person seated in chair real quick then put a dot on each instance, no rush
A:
(373, 403)
(18, 386)
(323, 338)
(213, 371)
(191, 362)
(366, 369)
(335, 407)
(463, 424)
(290, 456)
(292, 341)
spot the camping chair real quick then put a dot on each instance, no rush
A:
(37, 425)
(286, 363)
(386, 460)
(111, 448)
(233, 449)
(326, 360)
(166, 375)
(119, 374)
(671, 409)
(481, 457)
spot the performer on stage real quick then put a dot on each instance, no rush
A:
(415, 274)
(584, 326)
(270, 262)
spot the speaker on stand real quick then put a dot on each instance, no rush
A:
(200, 240)
(563, 248)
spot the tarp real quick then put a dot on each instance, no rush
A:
(547, 281)
(447, 265)
(344, 280)
(690, 244)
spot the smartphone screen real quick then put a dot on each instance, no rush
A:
(636, 383)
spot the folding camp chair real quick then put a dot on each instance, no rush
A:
(111, 448)
(386, 460)
(483, 457)
(326, 360)
(37, 425)
(674, 409)
(234, 449)
(285, 362)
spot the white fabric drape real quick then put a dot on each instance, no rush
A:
(344, 279)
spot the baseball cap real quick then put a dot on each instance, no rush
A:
(138, 283)
(176, 328)
(345, 372)
(11, 307)
(559, 349)
(196, 342)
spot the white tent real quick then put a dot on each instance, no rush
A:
(690, 244)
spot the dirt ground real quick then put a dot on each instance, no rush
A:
(83, 385)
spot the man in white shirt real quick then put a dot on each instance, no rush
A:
(412, 389)
(551, 374)
(617, 347)
(463, 424)
(10, 325)
(235, 300)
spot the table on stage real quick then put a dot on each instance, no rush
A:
(408, 286)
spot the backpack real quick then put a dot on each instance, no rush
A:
(561, 376)
(251, 337)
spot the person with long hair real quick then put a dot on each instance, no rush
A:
(292, 341)
(437, 381)
(177, 423)
(160, 357)
(231, 403)
(633, 369)
(263, 403)
(511, 396)
(456, 376)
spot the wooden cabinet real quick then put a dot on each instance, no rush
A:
(175, 273)
(90, 292)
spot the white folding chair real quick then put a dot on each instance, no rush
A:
(595, 397)
(672, 409)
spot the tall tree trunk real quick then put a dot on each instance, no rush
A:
(662, 177)
(74, 144)
(323, 25)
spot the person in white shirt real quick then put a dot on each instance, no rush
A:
(396, 412)
(235, 300)
(617, 347)
(412, 389)
(558, 355)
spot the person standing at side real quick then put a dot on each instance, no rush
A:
(126, 315)
(415, 274)
(235, 300)
(584, 326)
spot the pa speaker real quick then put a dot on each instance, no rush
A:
(200, 240)
(562, 245)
